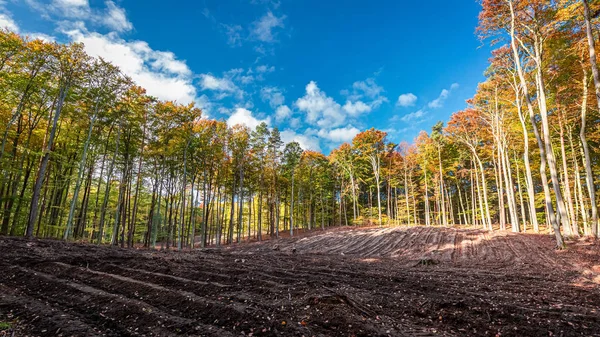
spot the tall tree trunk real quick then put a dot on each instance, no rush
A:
(548, 200)
(526, 161)
(443, 207)
(37, 188)
(567, 184)
(596, 76)
(241, 204)
(80, 172)
(426, 197)
(292, 207)
(107, 188)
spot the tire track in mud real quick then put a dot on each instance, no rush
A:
(92, 305)
(215, 307)
(53, 319)
(396, 242)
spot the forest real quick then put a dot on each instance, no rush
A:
(87, 155)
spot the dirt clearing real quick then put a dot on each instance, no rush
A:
(377, 282)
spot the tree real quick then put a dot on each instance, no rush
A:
(69, 63)
(291, 158)
(371, 146)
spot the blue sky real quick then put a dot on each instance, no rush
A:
(320, 71)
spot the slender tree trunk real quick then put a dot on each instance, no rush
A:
(444, 218)
(80, 173)
(596, 76)
(526, 161)
(37, 188)
(500, 189)
(567, 184)
(241, 203)
(549, 208)
(426, 197)
(292, 207)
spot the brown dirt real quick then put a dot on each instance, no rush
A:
(370, 282)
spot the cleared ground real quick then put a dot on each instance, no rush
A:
(378, 282)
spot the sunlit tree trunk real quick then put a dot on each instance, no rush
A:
(574, 230)
(526, 161)
(548, 200)
(426, 197)
(521, 199)
(596, 76)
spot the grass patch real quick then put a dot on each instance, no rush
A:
(5, 325)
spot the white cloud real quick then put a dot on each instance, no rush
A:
(406, 100)
(116, 18)
(79, 9)
(439, 102)
(262, 29)
(295, 122)
(234, 34)
(272, 95)
(160, 73)
(112, 16)
(414, 116)
(356, 108)
(282, 113)
(7, 22)
(368, 87)
(210, 82)
(246, 79)
(204, 103)
(307, 142)
(366, 91)
(320, 109)
(265, 69)
(244, 117)
(340, 135)
(40, 36)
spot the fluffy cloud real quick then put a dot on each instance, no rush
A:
(439, 102)
(112, 16)
(406, 100)
(7, 22)
(244, 117)
(320, 109)
(282, 113)
(210, 82)
(263, 28)
(339, 135)
(356, 108)
(366, 91)
(414, 116)
(71, 8)
(272, 95)
(159, 72)
(307, 142)
(368, 88)
(115, 18)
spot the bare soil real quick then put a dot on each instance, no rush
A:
(414, 281)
